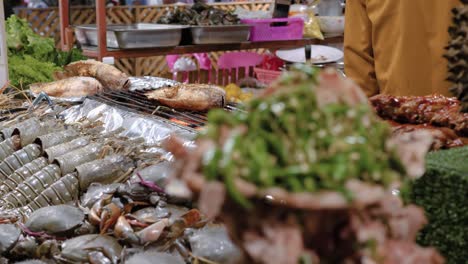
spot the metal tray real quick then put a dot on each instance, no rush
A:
(133, 36)
(220, 34)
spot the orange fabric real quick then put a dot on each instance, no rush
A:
(395, 46)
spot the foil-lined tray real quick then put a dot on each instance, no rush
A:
(149, 83)
(73, 100)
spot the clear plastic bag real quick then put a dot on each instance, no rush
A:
(312, 26)
(311, 22)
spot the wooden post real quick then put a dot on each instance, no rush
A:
(102, 28)
(64, 14)
(69, 33)
(137, 13)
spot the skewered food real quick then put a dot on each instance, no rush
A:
(457, 54)
(193, 97)
(109, 76)
(200, 14)
(70, 87)
(443, 137)
(433, 110)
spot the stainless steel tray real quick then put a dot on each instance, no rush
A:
(220, 34)
(134, 36)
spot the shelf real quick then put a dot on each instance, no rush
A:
(135, 53)
(102, 51)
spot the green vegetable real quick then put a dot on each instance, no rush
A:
(293, 143)
(26, 70)
(443, 193)
(17, 33)
(32, 58)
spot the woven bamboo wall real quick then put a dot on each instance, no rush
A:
(45, 21)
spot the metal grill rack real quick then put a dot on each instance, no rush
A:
(139, 102)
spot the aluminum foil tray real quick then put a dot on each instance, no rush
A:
(220, 34)
(79, 99)
(133, 36)
(149, 83)
(135, 125)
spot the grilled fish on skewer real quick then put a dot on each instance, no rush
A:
(71, 87)
(195, 97)
(107, 75)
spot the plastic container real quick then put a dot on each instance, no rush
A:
(222, 34)
(275, 29)
(267, 76)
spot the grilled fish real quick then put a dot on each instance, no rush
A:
(194, 97)
(109, 76)
(71, 87)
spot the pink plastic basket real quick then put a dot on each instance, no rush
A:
(266, 76)
(266, 30)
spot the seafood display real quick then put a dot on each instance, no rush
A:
(192, 97)
(305, 172)
(313, 168)
(77, 195)
(200, 14)
(438, 115)
(71, 87)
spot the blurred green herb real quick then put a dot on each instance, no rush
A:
(293, 143)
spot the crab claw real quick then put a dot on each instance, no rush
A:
(9, 217)
(133, 221)
(123, 230)
(153, 232)
(96, 210)
(110, 214)
(95, 213)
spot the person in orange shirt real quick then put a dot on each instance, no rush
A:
(396, 47)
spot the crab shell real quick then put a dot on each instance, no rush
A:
(9, 235)
(56, 220)
(79, 249)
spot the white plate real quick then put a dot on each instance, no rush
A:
(320, 54)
